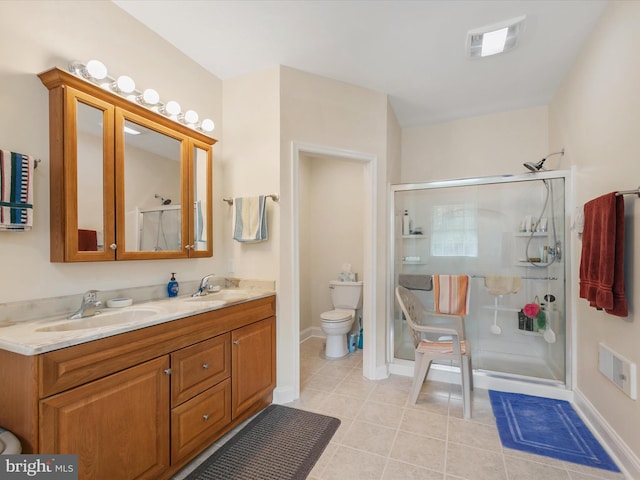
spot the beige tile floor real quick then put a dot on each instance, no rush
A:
(383, 437)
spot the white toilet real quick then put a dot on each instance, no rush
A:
(346, 298)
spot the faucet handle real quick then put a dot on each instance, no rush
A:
(90, 295)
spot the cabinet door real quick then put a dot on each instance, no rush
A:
(200, 190)
(118, 426)
(85, 229)
(151, 189)
(253, 364)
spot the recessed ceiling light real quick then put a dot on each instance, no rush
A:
(497, 38)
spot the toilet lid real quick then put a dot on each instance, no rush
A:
(9, 444)
(336, 315)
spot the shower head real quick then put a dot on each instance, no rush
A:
(165, 201)
(536, 167)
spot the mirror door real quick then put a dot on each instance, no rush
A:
(201, 239)
(89, 170)
(151, 189)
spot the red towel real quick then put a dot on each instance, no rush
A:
(87, 240)
(602, 261)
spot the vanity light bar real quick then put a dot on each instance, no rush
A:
(95, 71)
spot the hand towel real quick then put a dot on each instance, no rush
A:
(450, 294)
(502, 285)
(602, 260)
(16, 191)
(250, 222)
(87, 240)
(415, 281)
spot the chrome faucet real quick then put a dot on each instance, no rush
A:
(88, 306)
(203, 289)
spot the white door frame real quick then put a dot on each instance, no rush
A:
(370, 249)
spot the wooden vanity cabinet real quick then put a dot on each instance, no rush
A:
(141, 404)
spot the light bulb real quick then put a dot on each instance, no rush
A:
(172, 108)
(190, 116)
(207, 125)
(96, 69)
(148, 97)
(124, 84)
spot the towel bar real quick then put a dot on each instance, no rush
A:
(274, 196)
(629, 192)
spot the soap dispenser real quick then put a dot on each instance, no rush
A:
(172, 286)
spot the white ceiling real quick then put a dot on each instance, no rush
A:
(414, 51)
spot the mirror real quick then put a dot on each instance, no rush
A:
(90, 178)
(201, 200)
(152, 190)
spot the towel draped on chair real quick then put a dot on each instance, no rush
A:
(450, 294)
(16, 191)
(602, 260)
(250, 219)
(415, 281)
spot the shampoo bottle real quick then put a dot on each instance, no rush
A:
(172, 286)
(406, 223)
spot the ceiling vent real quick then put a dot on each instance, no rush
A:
(497, 38)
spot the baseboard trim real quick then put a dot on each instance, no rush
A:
(283, 395)
(624, 457)
(307, 333)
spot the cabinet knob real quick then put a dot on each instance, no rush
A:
(205, 417)
(236, 342)
(113, 246)
(167, 371)
(205, 366)
(188, 247)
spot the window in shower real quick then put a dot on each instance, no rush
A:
(473, 227)
(454, 231)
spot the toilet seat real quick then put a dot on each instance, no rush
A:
(336, 315)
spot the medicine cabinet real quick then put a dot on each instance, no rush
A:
(126, 183)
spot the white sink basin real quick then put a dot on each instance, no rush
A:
(206, 300)
(103, 319)
(221, 297)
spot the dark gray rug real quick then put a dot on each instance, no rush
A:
(280, 443)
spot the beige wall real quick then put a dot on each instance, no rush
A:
(595, 114)
(472, 147)
(39, 35)
(251, 165)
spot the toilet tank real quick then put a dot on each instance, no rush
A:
(346, 295)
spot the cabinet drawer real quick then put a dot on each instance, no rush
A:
(198, 367)
(195, 423)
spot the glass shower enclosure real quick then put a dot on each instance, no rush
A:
(508, 234)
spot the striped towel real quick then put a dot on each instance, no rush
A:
(250, 222)
(16, 191)
(450, 294)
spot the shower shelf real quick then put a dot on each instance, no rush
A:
(414, 235)
(528, 234)
(528, 333)
(524, 263)
(413, 263)
(501, 308)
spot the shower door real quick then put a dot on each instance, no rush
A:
(508, 234)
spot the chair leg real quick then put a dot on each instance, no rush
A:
(422, 365)
(466, 386)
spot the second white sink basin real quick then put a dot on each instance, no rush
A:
(103, 319)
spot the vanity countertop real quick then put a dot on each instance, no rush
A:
(32, 337)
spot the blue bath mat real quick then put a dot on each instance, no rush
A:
(548, 427)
